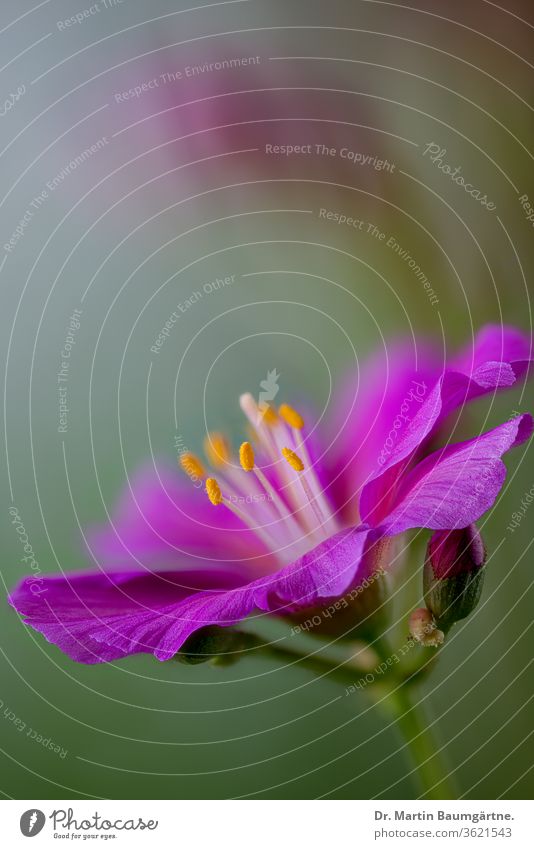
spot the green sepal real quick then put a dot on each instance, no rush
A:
(454, 598)
(220, 646)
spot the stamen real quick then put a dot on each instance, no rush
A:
(293, 459)
(296, 463)
(259, 423)
(214, 491)
(217, 449)
(271, 441)
(216, 497)
(315, 484)
(247, 459)
(291, 417)
(232, 478)
(295, 421)
(249, 407)
(267, 414)
(191, 465)
(246, 456)
(287, 523)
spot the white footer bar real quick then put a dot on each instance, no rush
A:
(268, 824)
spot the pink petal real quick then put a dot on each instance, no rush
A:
(499, 344)
(101, 617)
(468, 378)
(453, 487)
(391, 384)
(74, 611)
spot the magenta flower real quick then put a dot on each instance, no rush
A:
(288, 527)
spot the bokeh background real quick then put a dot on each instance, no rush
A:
(178, 190)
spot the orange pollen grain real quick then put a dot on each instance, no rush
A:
(291, 417)
(267, 414)
(293, 459)
(214, 491)
(192, 465)
(216, 449)
(246, 456)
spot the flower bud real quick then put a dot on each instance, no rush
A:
(453, 574)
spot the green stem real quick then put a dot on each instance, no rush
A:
(410, 720)
(394, 698)
(344, 672)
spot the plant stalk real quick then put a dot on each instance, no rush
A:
(431, 771)
(396, 701)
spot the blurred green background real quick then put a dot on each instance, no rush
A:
(181, 192)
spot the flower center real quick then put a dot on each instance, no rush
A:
(275, 490)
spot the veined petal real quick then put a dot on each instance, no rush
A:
(100, 617)
(325, 572)
(468, 378)
(498, 344)
(390, 386)
(453, 487)
(76, 610)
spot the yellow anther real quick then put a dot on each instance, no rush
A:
(214, 491)
(293, 459)
(192, 465)
(216, 449)
(246, 456)
(267, 414)
(291, 417)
